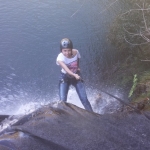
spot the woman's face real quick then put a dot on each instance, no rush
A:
(67, 52)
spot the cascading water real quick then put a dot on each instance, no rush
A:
(29, 44)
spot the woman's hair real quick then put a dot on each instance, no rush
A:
(66, 43)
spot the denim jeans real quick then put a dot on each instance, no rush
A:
(64, 84)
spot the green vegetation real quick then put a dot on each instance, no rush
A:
(134, 85)
(130, 35)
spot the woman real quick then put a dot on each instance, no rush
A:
(68, 59)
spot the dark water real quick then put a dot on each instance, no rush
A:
(30, 32)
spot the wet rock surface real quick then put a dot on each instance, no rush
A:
(2, 117)
(63, 126)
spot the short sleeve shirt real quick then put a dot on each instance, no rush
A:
(72, 63)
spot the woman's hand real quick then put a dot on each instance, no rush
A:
(78, 69)
(77, 76)
(64, 66)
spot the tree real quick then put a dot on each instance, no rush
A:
(130, 32)
(130, 35)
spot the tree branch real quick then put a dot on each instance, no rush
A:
(108, 6)
(141, 34)
(135, 43)
(77, 9)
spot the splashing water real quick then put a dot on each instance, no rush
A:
(101, 102)
(25, 103)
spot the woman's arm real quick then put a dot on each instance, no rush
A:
(64, 66)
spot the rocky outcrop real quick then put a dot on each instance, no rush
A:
(142, 88)
(63, 126)
(140, 105)
(2, 117)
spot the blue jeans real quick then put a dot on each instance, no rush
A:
(64, 84)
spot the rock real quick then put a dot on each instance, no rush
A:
(140, 105)
(63, 126)
(2, 117)
(140, 89)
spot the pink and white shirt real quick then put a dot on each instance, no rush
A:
(72, 63)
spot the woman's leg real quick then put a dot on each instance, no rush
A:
(79, 85)
(63, 90)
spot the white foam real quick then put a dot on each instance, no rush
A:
(73, 98)
(25, 103)
(100, 102)
(27, 108)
